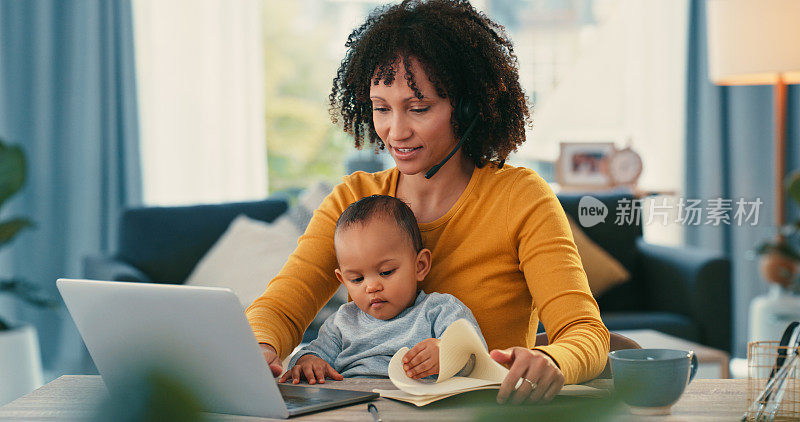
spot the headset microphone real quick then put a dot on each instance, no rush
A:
(465, 112)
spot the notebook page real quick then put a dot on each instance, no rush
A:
(458, 342)
(424, 387)
(568, 390)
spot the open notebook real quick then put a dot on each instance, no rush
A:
(464, 365)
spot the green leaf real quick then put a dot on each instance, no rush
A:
(12, 170)
(788, 251)
(782, 248)
(9, 229)
(793, 185)
(28, 292)
(152, 395)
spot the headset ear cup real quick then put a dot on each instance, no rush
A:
(466, 112)
(467, 115)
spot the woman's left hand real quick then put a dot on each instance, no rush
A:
(544, 378)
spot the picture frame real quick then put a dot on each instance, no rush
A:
(584, 165)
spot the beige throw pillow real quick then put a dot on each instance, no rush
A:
(602, 269)
(246, 257)
(251, 252)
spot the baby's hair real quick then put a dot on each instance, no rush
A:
(382, 206)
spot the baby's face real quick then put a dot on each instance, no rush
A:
(379, 267)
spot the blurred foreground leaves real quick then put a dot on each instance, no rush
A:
(152, 396)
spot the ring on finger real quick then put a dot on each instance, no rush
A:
(532, 383)
(520, 381)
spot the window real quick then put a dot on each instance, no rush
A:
(304, 43)
(234, 95)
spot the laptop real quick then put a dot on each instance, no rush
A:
(198, 335)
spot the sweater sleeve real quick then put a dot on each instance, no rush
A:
(540, 233)
(327, 345)
(305, 283)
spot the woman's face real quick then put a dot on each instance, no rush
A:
(416, 132)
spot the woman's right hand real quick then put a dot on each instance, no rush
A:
(273, 360)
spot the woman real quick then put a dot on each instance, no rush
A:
(501, 242)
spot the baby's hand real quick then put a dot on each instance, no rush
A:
(314, 368)
(423, 359)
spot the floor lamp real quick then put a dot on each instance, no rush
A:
(757, 42)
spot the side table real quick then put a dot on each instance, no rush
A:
(770, 314)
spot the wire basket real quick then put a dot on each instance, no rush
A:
(761, 357)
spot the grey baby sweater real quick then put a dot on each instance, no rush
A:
(357, 344)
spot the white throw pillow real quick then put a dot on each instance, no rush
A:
(246, 257)
(251, 252)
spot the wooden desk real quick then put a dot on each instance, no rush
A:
(73, 397)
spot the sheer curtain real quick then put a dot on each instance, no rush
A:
(200, 70)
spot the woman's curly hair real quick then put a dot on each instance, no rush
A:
(465, 55)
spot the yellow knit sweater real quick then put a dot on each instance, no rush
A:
(505, 249)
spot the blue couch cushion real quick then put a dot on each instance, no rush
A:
(167, 242)
(619, 240)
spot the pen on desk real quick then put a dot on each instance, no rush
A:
(376, 417)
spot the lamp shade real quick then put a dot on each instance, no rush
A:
(753, 42)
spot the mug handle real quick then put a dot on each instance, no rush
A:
(693, 367)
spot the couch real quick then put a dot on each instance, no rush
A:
(682, 291)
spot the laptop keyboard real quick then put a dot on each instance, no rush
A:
(295, 402)
(302, 398)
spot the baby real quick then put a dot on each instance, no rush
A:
(381, 263)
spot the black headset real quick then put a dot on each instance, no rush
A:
(466, 114)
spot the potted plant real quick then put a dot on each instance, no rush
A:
(780, 257)
(779, 263)
(20, 360)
